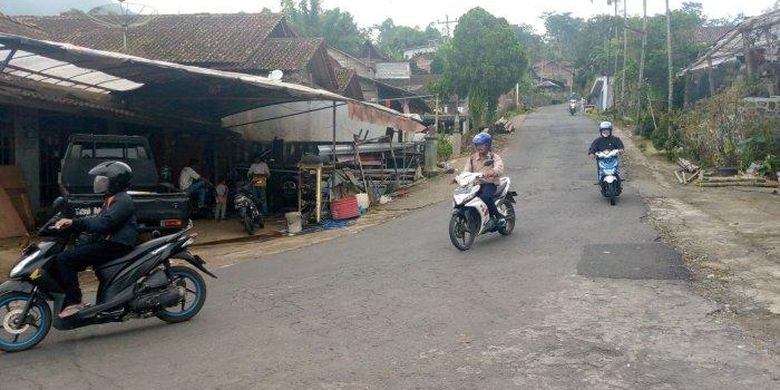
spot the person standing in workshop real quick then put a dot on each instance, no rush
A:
(259, 173)
(191, 182)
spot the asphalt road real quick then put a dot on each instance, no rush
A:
(580, 296)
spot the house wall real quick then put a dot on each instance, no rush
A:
(27, 150)
(312, 122)
(768, 108)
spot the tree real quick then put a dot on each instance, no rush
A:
(532, 42)
(337, 27)
(483, 60)
(394, 39)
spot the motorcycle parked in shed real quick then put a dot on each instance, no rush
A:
(246, 206)
(141, 284)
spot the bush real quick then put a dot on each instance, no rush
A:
(724, 131)
(444, 151)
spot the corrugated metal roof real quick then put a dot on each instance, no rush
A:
(148, 85)
(762, 30)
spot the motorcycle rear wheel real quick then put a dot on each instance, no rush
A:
(509, 214)
(460, 233)
(194, 296)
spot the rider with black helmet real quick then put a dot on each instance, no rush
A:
(114, 230)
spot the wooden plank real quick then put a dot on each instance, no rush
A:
(11, 178)
(11, 224)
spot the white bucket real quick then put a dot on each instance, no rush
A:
(294, 222)
(363, 202)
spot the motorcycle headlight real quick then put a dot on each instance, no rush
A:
(21, 265)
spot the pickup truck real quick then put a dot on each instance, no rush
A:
(158, 207)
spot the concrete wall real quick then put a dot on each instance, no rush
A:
(316, 126)
(768, 108)
(27, 150)
(312, 121)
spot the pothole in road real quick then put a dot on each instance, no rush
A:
(632, 261)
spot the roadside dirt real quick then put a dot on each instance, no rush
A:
(729, 237)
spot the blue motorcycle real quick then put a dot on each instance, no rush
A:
(609, 174)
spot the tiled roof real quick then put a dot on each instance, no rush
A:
(343, 77)
(708, 35)
(10, 25)
(187, 38)
(283, 53)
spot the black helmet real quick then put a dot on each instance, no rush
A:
(111, 177)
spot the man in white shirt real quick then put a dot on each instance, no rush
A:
(192, 182)
(259, 173)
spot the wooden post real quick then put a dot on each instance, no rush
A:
(436, 116)
(319, 193)
(334, 134)
(711, 75)
(640, 86)
(746, 46)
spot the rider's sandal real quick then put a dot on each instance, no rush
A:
(70, 310)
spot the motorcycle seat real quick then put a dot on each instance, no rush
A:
(139, 250)
(503, 183)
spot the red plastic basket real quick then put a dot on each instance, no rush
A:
(345, 208)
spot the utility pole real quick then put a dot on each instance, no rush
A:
(447, 23)
(669, 60)
(614, 69)
(625, 51)
(641, 85)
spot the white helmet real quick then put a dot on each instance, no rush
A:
(606, 125)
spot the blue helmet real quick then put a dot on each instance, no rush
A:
(483, 139)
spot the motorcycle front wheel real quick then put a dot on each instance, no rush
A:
(249, 225)
(460, 232)
(14, 336)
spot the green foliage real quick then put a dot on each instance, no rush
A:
(770, 166)
(754, 148)
(395, 39)
(337, 27)
(444, 151)
(484, 60)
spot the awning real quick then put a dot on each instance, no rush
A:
(197, 95)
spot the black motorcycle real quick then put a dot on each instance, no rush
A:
(141, 284)
(246, 206)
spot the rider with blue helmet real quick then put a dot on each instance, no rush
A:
(491, 173)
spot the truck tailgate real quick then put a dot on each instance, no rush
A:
(153, 210)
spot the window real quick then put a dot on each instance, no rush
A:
(108, 150)
(6, 144)
(80, 150)
(137, 152)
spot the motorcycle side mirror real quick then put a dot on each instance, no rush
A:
(59, 204)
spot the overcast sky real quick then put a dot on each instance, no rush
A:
(422, 12)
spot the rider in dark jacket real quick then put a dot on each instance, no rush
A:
(114, 230)
(605, 141)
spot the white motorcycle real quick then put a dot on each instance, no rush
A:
(470, 215)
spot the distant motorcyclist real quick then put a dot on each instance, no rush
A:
(491, 174)
(114, 231)
(605, 141)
